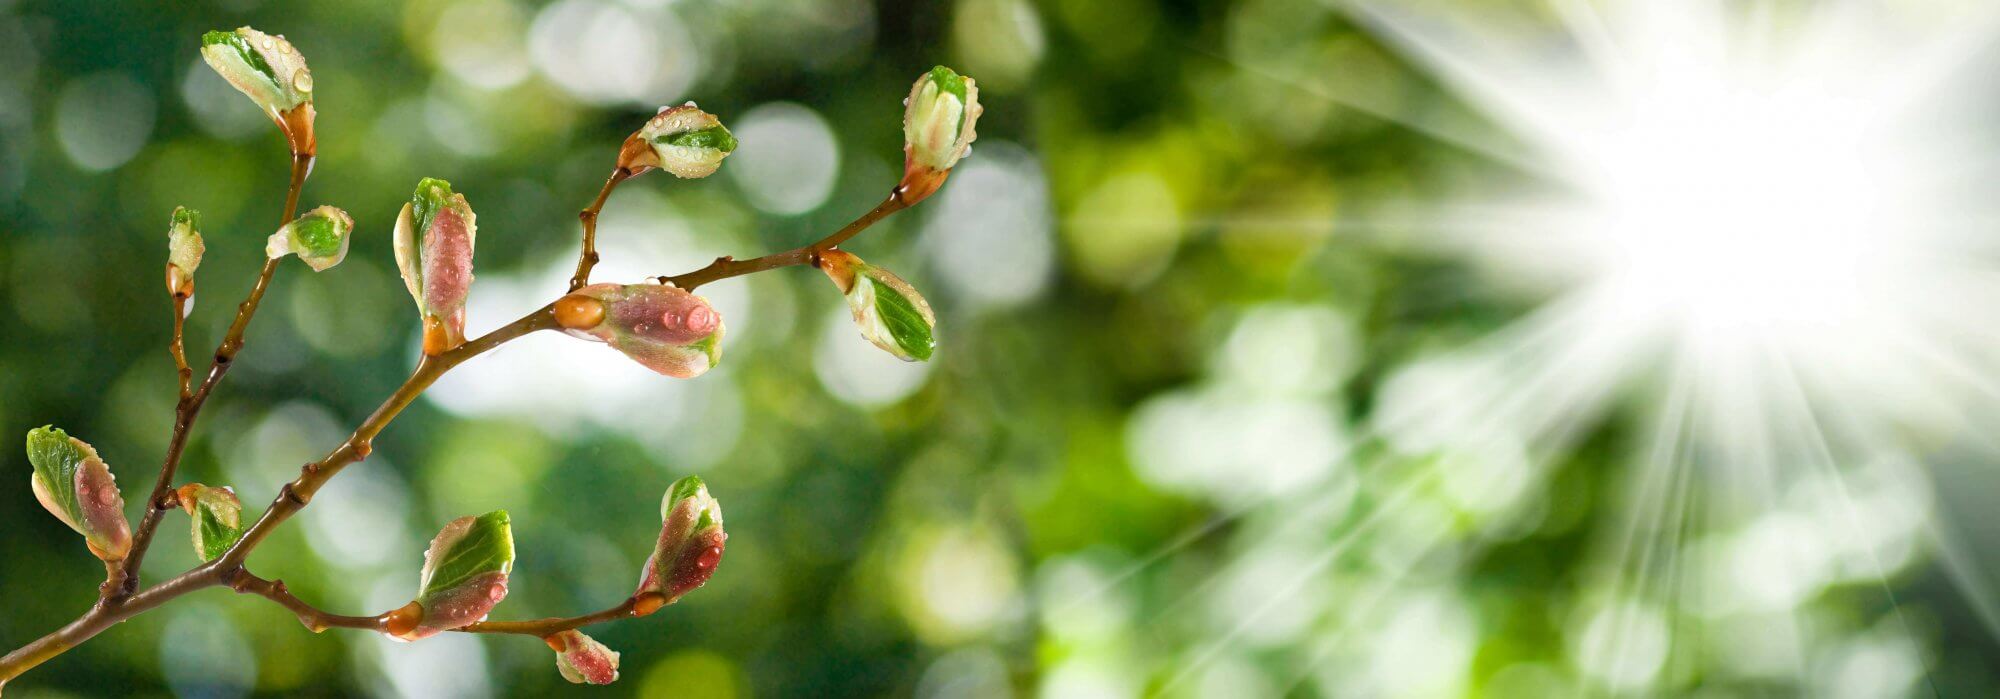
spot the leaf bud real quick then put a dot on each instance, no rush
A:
(663, 327)
(319, 238)
(938, 120)
(582, 660)
(184, 249)
(889, 312)
(689, 548)
(683, 140)
(77, 487)
(434, 239)
(465, 575)
(272, 74)
(216, 518)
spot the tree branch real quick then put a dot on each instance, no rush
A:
(110, 610)
(126, 579)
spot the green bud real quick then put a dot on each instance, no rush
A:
(683, 140)
(215, 518)
(319, 238)
(184, 249)
(77, 487)
(889, 312)
(938, 119)
(271, 73)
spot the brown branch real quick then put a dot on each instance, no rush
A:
(726, 267)
(588, 258)
(317, 620)
(178, 349)
(314, 619)
(127, 578)
(227, 569)
(295, 495)
(554, 625)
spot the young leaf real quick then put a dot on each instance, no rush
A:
(273, 74)
(465, 574)
(889, 312)
(215, 518)
(77, 487)
(319, 238)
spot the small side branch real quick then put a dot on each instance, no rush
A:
(588, 258)
(178, 349)
(551, 626)
(313, 618)
(726, 267)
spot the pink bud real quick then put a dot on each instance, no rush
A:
(581, 659)
(664, 328)
(690, 544)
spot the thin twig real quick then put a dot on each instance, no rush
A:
(314, 619)
(317, 620)
(588, 258)
(726, 267)
(178, 349)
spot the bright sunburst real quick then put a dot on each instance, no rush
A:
(1769, 213)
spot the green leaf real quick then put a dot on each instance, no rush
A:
(215, 518)
(906, 324)
(217, 535)
(318, 236)
(715, 137)
(486, 546)
(682, 489)
(56, 458)
(950, 82)
(431, 196)
(242, 47)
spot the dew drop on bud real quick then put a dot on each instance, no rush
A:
(303, 81)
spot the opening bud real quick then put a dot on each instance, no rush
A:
(465, 575)
(216, 518)
(272, 74)
(582, 660)
(184, 249)
(689, 549)
(889, 312)
(665, 328)
(938, 120)
(77, 487)
(683, 140)
(434, 240)
(319, 238)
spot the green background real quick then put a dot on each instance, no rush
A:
(1149, 238)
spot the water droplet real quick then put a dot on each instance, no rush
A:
(303, 81)
(269, 43)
